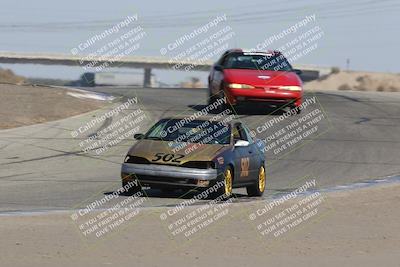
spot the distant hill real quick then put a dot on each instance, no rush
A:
(357, 80)
(8, 76)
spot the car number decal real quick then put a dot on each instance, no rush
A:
(168, 157)
(244, 167)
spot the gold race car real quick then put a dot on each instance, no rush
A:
(196, 154)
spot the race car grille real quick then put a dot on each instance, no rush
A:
(150, 179)
(283, 100)
(189, 164)
(199, 164)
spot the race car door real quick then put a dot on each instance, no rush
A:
(244, 155)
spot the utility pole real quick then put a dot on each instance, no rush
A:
(348, 64)
(147, 78)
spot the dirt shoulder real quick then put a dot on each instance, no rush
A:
(357, 81)
(356, 228)
(22, 105)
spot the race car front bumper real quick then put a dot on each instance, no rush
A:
(166, 175)
(266, 95)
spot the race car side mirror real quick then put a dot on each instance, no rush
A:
(241, 143)
(138, 136)
(218, 68)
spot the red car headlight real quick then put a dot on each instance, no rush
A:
(239, 86)
(290, 88)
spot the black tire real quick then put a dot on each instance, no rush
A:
(220, 95)
(226, 105)
(133, 188)
(257, 189)
(167, 191)
(222, 191)
(296, 109)
(211, 98)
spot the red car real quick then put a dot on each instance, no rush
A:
(268, 77)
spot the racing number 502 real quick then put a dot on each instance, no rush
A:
(168, 157)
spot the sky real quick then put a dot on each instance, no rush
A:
(365, 32)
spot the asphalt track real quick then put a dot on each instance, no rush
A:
(42, 166)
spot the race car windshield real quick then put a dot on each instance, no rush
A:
(257, 61)
(197, 131)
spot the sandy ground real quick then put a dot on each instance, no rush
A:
(25, 105)
(352, 228)
(356, 80)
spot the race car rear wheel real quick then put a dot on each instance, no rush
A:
(258, 188)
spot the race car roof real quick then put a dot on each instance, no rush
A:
(254, 52)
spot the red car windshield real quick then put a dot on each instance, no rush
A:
(256, 61)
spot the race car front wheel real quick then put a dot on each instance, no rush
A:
(228, 182)
(295, 109)
(131, 188)
(226, 189)
(257, 189)
(211, 98)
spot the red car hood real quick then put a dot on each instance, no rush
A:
(261, 77)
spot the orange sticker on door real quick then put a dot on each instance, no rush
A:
(244, 167)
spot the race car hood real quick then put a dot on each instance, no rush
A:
(191, 152)
(262, 78)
